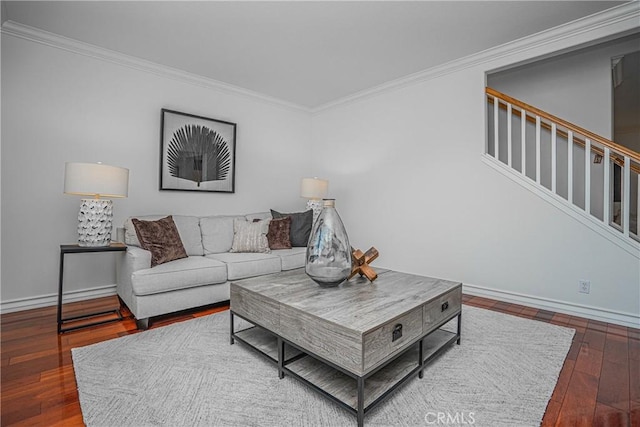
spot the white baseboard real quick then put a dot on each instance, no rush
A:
(52, 299)
(619, 318)
(609, 316)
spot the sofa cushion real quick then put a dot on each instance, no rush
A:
(161, 238)
(291, 258)
(250, 236)
(217, 233)
(179, 274)
(257, 216)
(243, 265)
(188, 228)
(301, 223)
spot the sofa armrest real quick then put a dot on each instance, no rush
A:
(137, 258)
(131, 261)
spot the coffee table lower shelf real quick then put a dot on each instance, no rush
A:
(337, 384)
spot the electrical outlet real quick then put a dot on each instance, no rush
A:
(584, 286)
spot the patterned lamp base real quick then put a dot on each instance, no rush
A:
(316, 206)
(94, 222)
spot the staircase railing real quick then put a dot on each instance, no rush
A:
(548, 150)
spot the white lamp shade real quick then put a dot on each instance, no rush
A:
(96, 180)
(314, 188)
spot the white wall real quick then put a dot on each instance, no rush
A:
(405, 166)
(626, 104)
(59, 106)
(576, 87)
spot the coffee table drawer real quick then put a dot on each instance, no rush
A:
(381, 343)
(441, 308)
(255, 309)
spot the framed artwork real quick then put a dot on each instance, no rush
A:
(197, 153)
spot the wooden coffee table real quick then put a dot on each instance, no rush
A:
(355, 343)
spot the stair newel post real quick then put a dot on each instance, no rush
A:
(587, 175)
(570, 166)
(496, 130)
(553, 158)
(538, 149)
(606, 212)
(626, 197)
(509, 138)
(523, 140)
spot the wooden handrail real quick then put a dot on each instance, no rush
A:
(619, 149)
(616, 158)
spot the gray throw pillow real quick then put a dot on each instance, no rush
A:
(301, 223)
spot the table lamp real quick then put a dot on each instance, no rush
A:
(314, 189)
(96, 214)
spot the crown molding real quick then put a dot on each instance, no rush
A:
(15, 29)
(626, 15)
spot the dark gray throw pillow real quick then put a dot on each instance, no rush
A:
(301, 223)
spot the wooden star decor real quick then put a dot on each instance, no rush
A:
(360, 263)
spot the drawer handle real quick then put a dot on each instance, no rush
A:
(397, 332)
(445, 305)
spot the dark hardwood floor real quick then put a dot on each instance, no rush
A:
(599, 384)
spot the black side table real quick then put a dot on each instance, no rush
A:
(76, 249)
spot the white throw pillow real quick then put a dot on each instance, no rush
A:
(250, 236)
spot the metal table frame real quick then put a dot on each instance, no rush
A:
(76, 249)
(361, 410)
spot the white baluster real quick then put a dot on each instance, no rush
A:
(626, 197)
(570, 167)
(496, 131)
(538, 149)
(587, 175)
(553, 157)
(523, 140)
(607, 187)
(509, 142)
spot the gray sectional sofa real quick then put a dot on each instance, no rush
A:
(200, 279)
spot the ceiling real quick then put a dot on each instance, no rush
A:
(307, 53)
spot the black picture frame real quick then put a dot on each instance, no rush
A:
(196, 153)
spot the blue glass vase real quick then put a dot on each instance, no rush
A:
(328, 260)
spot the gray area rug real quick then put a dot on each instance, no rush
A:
(187, 374)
